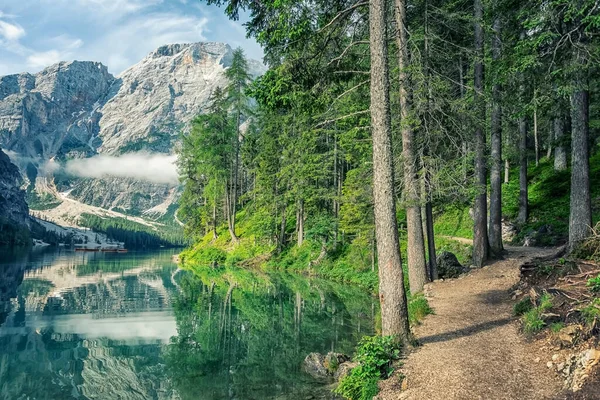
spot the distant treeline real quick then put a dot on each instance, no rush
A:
(134, 234)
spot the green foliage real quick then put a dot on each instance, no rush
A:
(40, 202)
(555, 327)
(418, 309)
(523, 306)
(532, 319)
(594, 284)
(375, 356)
(591, 312)
(533, 322)
(134, 234)
(454, 221)
(12, 234)
(208, 256)
(549, 192)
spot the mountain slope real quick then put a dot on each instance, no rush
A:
(14, 213)
(75, 110)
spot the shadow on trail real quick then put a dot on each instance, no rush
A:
(467, 331)
(494, 297)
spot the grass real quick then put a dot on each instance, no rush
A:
(532, 319)
(549, 200)
(523, 306)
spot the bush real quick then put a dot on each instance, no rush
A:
(208, 256)
(375, 355)
(594, 284)
(523, 306)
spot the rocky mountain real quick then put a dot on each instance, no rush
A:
(14, 212)
(75, 110)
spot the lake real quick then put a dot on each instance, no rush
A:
(77, 325)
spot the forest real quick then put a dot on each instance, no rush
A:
(382, 129)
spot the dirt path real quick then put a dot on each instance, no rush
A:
(471, 347)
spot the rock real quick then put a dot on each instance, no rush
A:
(344, 369)
(549, 364)
(537, 360)
(448, 265)
(578, 368)
(314, 365)
(13, 208)
(560, 367)
(509, 231)
(555, 357)
(569, 335)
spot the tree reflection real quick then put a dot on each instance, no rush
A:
(245, 336)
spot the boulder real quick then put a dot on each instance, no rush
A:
(448, 265)
(314, 365)
(569, 335)
(344, 370)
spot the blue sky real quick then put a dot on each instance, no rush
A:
(118, 33)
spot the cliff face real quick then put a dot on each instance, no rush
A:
(78, 110)
(14, 213)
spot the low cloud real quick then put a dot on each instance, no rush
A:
(155, 168)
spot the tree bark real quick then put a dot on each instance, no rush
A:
(417, 272)
(580, 218)
(495, 228)
(300, 223)
(480, 235)
(523, 189)
(560, 151)
(214, 218)
(392, 297)
(536, 139)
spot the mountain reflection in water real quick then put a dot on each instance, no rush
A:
(133, 326)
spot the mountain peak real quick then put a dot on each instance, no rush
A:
(171, 50)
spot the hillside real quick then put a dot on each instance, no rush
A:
(77, 110)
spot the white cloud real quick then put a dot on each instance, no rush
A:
(44, 59)
(156, 168)
(11, 32)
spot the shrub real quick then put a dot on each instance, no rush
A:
(522, 306)
(594, 284)
(375, 355)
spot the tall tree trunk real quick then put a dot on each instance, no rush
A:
(417, 272)
(480, 235)
(550, 140)
(523, 188)
(300, 222)
(495, 228)
(392, 297)
(580, 218)
(536, 139)
(214, 218)
(433, 273)
(560, 151)
(236, 168)
(281, 236)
